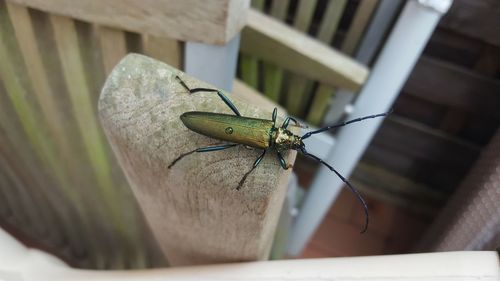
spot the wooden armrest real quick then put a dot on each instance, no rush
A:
(194, 209)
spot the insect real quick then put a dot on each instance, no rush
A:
(257, 133)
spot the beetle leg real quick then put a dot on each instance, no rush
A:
(255, 164)
(202, 149)
(223, 97)
(283, 163)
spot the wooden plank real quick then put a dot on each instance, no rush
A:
(213, 221)
(488, 63)
(30, 131)
(304, 15)
(425, 155)
(249, 70)
(113, 47)
(381, 183)
(277, 43)
(419, 110)
(477, 19)
(73, 71)
(323, 94)
(163, 49)
(24, 33)
(79, 94)
(445, 84)
(358, 25)
(300, 88)
(81, 190)
(215, 22)
(453, 47)
(331, 20)
(249, 65)
(40, 82)
(90, 47)
(273, 74)
(320, 105)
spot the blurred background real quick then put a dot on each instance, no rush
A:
(430, 175)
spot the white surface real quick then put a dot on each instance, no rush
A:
(401, 51)
(212, 63)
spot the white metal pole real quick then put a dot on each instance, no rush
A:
(400, 53)
(212, 63)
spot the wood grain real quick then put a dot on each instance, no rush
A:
(212, 22)
(193, 209)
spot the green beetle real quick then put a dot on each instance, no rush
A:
(257, 133)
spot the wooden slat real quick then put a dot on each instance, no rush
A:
(73, 71)
(214, 22)
(249, 65)
(163, 49)
(488, 63)
(331, 21)
(299, 86)
(327, 31)
(377, 182)
(80, 98)
(445, 84)
(273, 74)
(275, 42)
(358, 25)
(113, 47)
(423, 154)
(40, 82)
(304, 15)
(320, 104)
(477, 19)
(80, 191)
(31, 123)
(453, 47)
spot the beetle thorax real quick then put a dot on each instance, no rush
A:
(286, 140)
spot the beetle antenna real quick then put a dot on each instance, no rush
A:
(352, 188)
(334, 126)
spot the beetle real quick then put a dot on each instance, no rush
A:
(257, 133)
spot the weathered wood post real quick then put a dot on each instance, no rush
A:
(193, 209)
